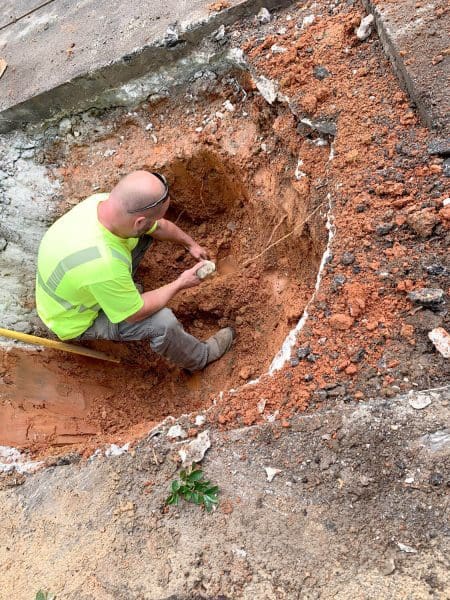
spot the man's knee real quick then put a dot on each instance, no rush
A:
(163, 323)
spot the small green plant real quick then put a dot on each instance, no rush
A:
(45, 596)
(193, 488)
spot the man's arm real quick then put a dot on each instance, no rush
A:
(168, 231)
(157, 299)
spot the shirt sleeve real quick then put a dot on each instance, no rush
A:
(118, 297)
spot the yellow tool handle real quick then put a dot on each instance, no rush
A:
(38, 341)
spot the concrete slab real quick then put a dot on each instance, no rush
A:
(63, 53)
(415, 37)
(14, 9)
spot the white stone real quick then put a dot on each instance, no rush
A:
(441, 341)
(276, 49)
(176, 431)
(406, 548)
(419, 400)
(263, 16)
(267, 88)
(307, 21)
(271, 472)
(365, 28)
(195, 450)
(200, 420)
(228, 106)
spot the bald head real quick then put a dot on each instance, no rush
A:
(132, 193)
(136, 190)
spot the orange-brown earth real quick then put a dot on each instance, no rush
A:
(235, 191)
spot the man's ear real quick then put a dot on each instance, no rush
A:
(139, 222)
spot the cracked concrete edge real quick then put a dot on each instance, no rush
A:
(83, 91)
(392, 48)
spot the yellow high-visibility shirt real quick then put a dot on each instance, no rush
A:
(84, 268)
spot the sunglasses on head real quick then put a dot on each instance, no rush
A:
(160, 201)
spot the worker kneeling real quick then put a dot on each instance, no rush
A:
(86, 263)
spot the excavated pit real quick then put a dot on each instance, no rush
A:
(233, 200)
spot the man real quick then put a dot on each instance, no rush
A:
(86, 262)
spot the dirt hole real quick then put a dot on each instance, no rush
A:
(233, 201)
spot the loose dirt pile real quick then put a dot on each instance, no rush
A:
(244, 173)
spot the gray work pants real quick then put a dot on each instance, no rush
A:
(165, 333)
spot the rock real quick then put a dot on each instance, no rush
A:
(320, 72)
(340, 322)
(435, 270)
(261, 405)
(65, 126)
(439, 146)
(423, 222)
(271, 472)
(276, 49)
(307, 21)
(384, 228)
(347, 258)
(338, 282)
(3, 244)
(358, 356)
(441, 341)
(245, 373)
(195, 450)
(267, 88)
(406, 548)
(206, 270)
(200, 420)
(171, 37)
(365, 28)
(294, 362)
(388, 567)
(419, 400)
(263, 16)
(308, 377)
(356, 299)
(429, 297)
(228, 106)
(324, 126)
(446, 167)
(176, 431)
(339, 390)
(303, 352)
(436, 479)
(219, 35)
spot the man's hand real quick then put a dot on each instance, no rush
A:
(189, 278)
(198, 252)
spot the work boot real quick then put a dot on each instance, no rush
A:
(219, 343)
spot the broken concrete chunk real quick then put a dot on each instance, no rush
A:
(365, 28)
(263, 16)
(200, 420)
(267, 88)
(171, 37)
(419, 400)
(176, 431)
(441, 341)
(406, 548)
(195, 450)
(427, 296)
(271, 472)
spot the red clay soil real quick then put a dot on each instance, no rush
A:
(235, 191)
